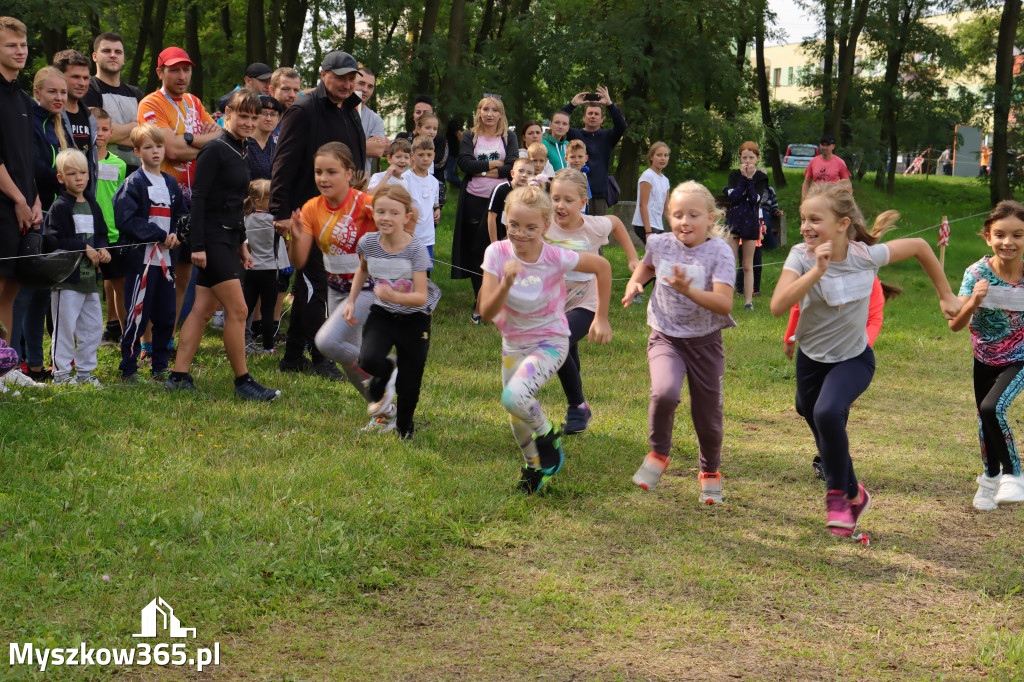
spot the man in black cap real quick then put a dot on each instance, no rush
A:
(826, 168)
(257, 78)
(328, 114)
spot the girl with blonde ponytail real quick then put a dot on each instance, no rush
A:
(50, 89)
(832, 274)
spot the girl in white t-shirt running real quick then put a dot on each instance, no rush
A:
(831, 274)
(689, 308)
(523, 292)
(587, 234)
(652, 194)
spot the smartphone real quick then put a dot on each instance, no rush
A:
(591, 97)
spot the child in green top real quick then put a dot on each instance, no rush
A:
(110, 173)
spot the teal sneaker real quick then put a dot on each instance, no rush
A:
(531, 481)
(549, 448)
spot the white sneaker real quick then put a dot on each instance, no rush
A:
(1011, 490)
(379, 407)
(18, 378)
(984, 499)
(89, 380)
(385, 423)
(218, 320)
(649, 473)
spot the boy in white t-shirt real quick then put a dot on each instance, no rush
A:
(425, 192)
(399, 156)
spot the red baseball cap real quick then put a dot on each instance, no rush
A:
(173, 55)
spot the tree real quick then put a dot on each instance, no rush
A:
(771, 136)
(999, 181)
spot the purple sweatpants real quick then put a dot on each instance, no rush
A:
(702, 361)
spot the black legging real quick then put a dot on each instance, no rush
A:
(994, 389)
(409, 334)
(579, 320)
(309, 308)
(825, 392)
(262, 285)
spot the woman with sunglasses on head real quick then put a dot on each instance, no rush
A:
(217, 235)
(486, 156)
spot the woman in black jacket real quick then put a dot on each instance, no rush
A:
(217, 238)
(486, 156)
(747, 186)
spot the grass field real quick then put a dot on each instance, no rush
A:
(309, 551)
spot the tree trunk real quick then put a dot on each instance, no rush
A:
(140, 46)
(54, 40)
(999, 179)
(294, 23)
(255, 33)
(318, 50)
(828, 65)
(772, 136)
(453, 62)
(192, 47)
(225, 23)
(421, 81)
(350, 26)
(899, 15)
(847, 63)
(156, 42)
(486, 24)
(274, 32)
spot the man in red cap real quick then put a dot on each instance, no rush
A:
(186, 127)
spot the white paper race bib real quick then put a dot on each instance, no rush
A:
(525, 296)
(390, 269)
(1004, 298)
(158, 194)
(845, 289)
(695, 272)
(83, 224)
(341, 264)
(107, 171)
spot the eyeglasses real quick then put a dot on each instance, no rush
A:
(492, 95)
(270, 113)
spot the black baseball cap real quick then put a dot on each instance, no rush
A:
(259, 71)
(340, 63)
(827, 139)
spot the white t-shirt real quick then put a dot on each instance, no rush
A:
(581, 287)
(376, 178)
(655, 200)
(425, 193)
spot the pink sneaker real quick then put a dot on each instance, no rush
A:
(840, 519)
(858, 509)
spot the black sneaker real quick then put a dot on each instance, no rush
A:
(130, 379)
(549, 449)
(328, 370)
(301, 365)
(819, 468)
(40, 374)
(531, 481)
(159, 376)
(185, 383)
(251, 390)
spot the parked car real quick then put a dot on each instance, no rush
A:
(799, 155)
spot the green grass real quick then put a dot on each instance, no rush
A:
(310, 551)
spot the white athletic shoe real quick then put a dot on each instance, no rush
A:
(1011, 490)
(385, 423)
(984, 499)
(375, 409)
(217, 321)
(18, 378)
(89, 380)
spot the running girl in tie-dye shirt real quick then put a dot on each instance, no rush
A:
(993, 296)
(523, 292)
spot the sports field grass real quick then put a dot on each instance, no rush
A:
(309, 551)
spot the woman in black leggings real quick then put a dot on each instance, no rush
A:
(218, 247)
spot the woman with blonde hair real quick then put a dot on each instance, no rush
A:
(485, 157)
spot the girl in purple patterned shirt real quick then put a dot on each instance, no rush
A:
(687, 312)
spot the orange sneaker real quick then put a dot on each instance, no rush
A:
(649, 473)
(710, 488)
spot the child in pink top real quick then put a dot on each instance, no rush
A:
(586, 234)
(523, 292)
(688, 310)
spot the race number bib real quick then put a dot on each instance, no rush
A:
(107, 171)
(845, 289)
(83, 225)
(693, 272)
(341, 263)
(1004, 298)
